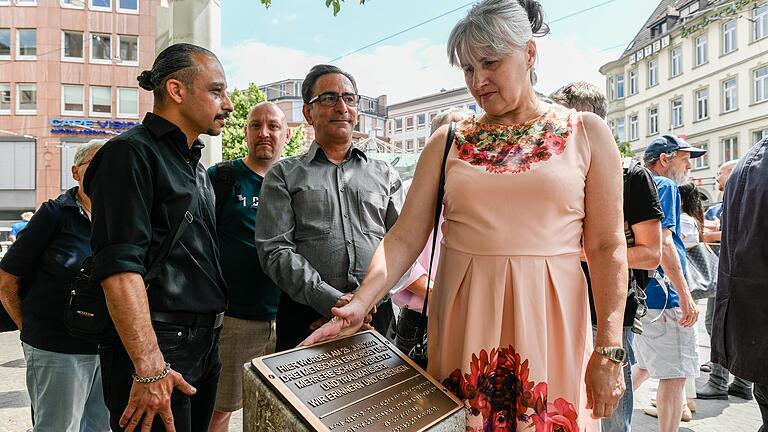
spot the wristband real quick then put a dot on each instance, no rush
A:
(151, 379)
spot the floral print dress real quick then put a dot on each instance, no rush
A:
(509, 326)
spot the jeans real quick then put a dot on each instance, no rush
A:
(65, 390)
(191, 351)
(761, 396)
(407, 324)
(720, 376)
(621, 420)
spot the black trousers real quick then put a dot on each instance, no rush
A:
(191, 351)
(761, 396)
(293, 321)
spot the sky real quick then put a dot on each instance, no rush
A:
(263, 45)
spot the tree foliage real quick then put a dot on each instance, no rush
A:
(233, 135)
(336, 4)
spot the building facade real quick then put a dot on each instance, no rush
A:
(67, 75)
(409, 122)
(286, 94)
(698, 69)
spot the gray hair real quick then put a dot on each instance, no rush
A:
(84, 150)
(651, 163)
(448, 116)
(497, 27)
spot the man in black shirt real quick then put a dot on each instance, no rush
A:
(642, 228)
(145, 184)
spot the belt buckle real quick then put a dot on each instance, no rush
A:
(219, 320)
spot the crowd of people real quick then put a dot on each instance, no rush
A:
(560, 263)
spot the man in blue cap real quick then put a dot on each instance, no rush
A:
(667, 348)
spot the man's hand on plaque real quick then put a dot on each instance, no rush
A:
(346, 320)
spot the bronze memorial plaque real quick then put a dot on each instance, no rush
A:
(358, 383)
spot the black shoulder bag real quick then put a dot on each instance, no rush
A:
(86, 315)
(419, 352)
(222, 182)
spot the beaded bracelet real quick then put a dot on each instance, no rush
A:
(151, 379)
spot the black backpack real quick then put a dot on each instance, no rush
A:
(222, 182)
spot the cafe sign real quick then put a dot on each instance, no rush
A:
(85, 126)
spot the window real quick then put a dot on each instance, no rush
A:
(621, 130)
(26, 44)
(73, 4)
(702, 104)
(101, 101)
(677, 113)
(26, 98)
(653, 121)
(409, 145)
(703, 161)
(653, 72)
(26, 2)
(701, 50)
(611, 93)
(633, 128)
(129, 51)
(422, 144)
(620, 86)
(72, 43)
(128, 6)
(5, 44)
(128, 102)
(729, 95)
(398, 125)
(633, 82)
(729, 37)
(676, 61)
(72, 100)
(17, 166)
(421, 120)
(659, 29)
(757, 136)
(761, 84)
(730, 149)
(5, 98)
(432, 116)
(105, 5)
(101, 48)
(761, 22)
(409, 123)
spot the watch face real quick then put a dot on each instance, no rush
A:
(619, 354)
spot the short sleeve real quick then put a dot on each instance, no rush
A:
(643, 201)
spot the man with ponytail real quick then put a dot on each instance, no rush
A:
(155, 250)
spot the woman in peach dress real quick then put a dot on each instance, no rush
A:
(509, 328)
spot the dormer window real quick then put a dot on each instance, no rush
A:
(689, 9)
(659, 29)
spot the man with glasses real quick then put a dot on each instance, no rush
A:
(322, 215)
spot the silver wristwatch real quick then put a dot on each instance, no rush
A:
(614, 354)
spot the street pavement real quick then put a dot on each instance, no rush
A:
(716, 415)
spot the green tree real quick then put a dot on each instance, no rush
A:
(625, 148)
(294, 146)
(336, 4)
(233, 135)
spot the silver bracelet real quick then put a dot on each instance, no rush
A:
(151, 379)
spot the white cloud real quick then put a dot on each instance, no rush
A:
(410, 70)
(283, 20)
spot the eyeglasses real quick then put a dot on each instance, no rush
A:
(331, 99)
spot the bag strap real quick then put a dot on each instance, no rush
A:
(436, 225)
(222, 181)
(169, 242)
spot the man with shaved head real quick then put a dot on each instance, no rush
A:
(249, 323)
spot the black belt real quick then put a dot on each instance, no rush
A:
(188, 319)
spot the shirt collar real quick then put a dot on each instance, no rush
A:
(315, 150)
(160, 127)
(69, 198)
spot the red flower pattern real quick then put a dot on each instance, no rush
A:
(503, 149)
(498, 394)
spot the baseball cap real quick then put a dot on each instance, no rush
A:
(668, 144)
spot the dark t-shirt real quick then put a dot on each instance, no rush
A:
(641, 203)
(252, 294)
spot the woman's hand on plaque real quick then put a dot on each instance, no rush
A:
(346, 320)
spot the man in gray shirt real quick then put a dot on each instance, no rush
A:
(323, 214)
